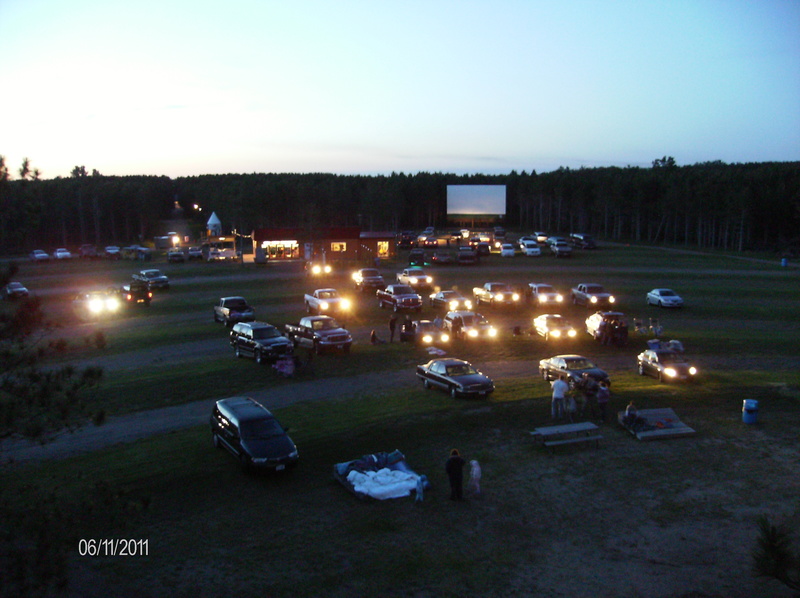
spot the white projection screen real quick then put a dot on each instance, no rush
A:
(476, 200)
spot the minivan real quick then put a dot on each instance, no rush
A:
(250, 432)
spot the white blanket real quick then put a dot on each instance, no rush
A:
(384, 483)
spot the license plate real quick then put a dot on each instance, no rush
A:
(280, 467)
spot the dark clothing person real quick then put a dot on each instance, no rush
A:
(392, 327)
(455, 472)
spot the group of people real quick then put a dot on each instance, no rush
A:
(406, 331)
(612, 332)
(591, 395)
(454, 467)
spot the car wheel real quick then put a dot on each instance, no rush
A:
(395, 308)
(574, 300)
(215, 440)
(317, 349)
(259, 357)
(380, 304)
(545, 376)
(641, 370)
(660, 303)
(426, 384)
(661, 376)
(237, 352)
(308, 308)
(547, 336)
(453, 392)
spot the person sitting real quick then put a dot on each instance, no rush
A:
(374, 340)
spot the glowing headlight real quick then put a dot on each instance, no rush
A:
(670, 372)
(445, 338)
(559, 298)
(543, 299)
(344, 304)
(692, 371)
(323, 305)
(492, 332)
(316, 269)
(572, 333)
(515, 297)
(429, 279)
(472, 334)
(95, 306)
(327, 269)
(427, 338)
(468, 304)
(611, 299)
(413, 280)
(593, 300)
(356, 277)
(556, 333)
(453, 305)
(498, 297)
(112, 304)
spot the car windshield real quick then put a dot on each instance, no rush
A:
(261, 428)
(579, 364)
(327, 295)
(237, 304)
(326, 324)
(666, 293)
(262, 333)
(402, 289)
(152, 274)
(369, 272)
(670, 358)
(447, 295)
(460, 370)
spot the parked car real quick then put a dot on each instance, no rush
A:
(62, 254)
(155, 279)
(496, 293)
(399, 296)
(464, 324)
(456, 376)
(613, 321)
(319, 333)
(443, 257)
(466, 255)
(250, 432)
(666, 365)
(573, 367)
(664, 298)
(316, 269)
(544, 294)
(96, 304)
(530, 248)
(112, 252)
(231, 310)
(554, 326)
(88, 251)
(326, 301)
(38, 255)
(416, 278)
(507, 250)
(259, 340)
(15, 290)
(450, 300)
(559, 247)
(582, 241)
(136, 292)
(541, 237)
(368, 279)
(195, 253)
(176, 255)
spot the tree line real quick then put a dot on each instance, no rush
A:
(709, 205)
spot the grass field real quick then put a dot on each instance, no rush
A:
(668, 518)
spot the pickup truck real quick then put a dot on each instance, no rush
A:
(591, 294)
(154, 278)
(468, 325)
(496, 293)
(415, 278)
(231, 310)
(319, 333)
(136, 292)
(399, 296)
(368, 278)
(326, 301)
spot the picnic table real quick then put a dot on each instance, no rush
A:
(551, 436)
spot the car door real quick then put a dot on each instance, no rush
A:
(438, 375)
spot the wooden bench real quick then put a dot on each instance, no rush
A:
(552, 436)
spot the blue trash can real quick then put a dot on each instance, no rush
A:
(750, 411)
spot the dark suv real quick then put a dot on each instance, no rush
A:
(251, 433)
(259, 340)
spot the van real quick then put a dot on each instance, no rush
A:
(249, 431)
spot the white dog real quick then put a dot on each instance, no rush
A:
(475, 477)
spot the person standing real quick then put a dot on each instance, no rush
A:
(392, 327)
(454, 467)
(560, 390)
(589, 388)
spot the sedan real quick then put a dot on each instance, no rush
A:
(15, 290)
(455, 376)
(664, 298)
(573, 367)
(425, 333)
(666, 365)
(96, 304)
(450, 300)
(62, 254)
(507, 250)
(553, 326)
(37, 255)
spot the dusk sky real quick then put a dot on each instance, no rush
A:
(183, 88)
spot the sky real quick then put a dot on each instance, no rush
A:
(184, 88)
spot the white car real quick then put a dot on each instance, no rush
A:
(530, 248)
(544, 294)
(62, 254)
(664, 298)
(507, 250)
(553, 326)
(37, 255)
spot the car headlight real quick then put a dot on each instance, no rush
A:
(429, 279)
(556, 333)
(445, 338)
(611, 299)
(468, 304)
(559, 298)
(472, 333)
(593, 299)
(543, 299)
(515, 297)
(323, 305)
(344, 304)
(327, 269)
(316, 269)
(96, 306)
(692, 371)
(572, 333)
(112, 304)
(492, 332)
(453, 305)
(498, 297)
(356, 277)
(427, 338)
(670, 372)
(413, 280)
